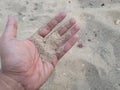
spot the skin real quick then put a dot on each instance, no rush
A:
(20, 58)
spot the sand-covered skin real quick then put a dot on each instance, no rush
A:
(95, 65)
(49, 46)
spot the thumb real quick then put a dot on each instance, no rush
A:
(11, 28)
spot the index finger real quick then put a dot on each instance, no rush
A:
(50, 25)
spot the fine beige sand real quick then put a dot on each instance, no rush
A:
(94, 62)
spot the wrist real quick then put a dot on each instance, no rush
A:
(7, 83)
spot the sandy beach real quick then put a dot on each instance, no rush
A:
(94, 61)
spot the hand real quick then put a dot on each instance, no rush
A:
(21, 60)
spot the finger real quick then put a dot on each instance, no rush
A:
(67, 27)
(67, 46)
(52, 24)
(11, 28)
(73, 31)
(54, 61)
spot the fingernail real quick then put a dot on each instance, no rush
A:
(63, 13)
(76, 35)
(77, 27)
(72, 21)
(10, 17)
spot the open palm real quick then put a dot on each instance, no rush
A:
(21, 60)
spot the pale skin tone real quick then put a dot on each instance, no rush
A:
(20, 58)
